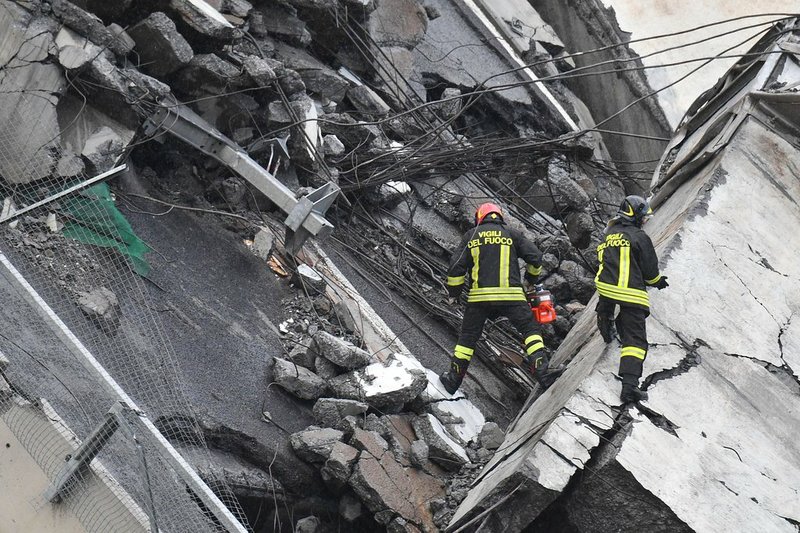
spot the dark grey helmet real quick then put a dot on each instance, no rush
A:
(634, 208)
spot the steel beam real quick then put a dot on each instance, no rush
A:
(304, 217)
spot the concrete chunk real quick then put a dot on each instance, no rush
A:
(259, 70)
(381, 384)
(339, 351)
(444, 450)
(102, 149)
(331, 145)
(300, 381)
(279, 23)
(314, 444)
(88, 25)
(328, 412)
(339, 466)
(102, 307)
(262, 244)
(386, 487)
(367, 101)
(204, 19)
(491, 436)
(207, 74)
(409, 22)
(162, 50)
(309, 280)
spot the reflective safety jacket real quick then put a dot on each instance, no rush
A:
(628, 264)
(488, 255)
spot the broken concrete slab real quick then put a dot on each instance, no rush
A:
(366, 101)
(280, 23)
(491, 436)
(387, 487)
(205, 20)
(237, 8)
(328, 412)
(461, 417)
(315, 444)
(102, 150)
(88, 25)
(340, 351)
(339, 465)
(348, 130)
(398, 23)
(162, 49)
(260, 71)
(207, 74)
(370, 442)
(580, 226)
(325, 368)
(24, 44)
(318, 78)
(74, 50)
(394, 382)
(102, 307)
(280, 115)
(300, 381)
(444, 450)
(299, 355)
(419, 453)
(332, 146)
(124, 40)
(262, 243)
(309, 280)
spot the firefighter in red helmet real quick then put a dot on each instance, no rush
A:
(487, 257)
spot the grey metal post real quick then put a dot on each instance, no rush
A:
(168, 452)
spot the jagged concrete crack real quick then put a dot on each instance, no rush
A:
(744, 284)
(659, 420)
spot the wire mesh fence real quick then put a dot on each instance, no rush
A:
(66, 237)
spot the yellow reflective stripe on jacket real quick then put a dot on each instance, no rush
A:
(653, 281)
(624, 266)
(633, 351)
(454, 281)
(505, 253)
(623, 294)
(496, 294)
(476, 264)
(462, 352)
(533, 270)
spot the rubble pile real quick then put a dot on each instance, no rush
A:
(383, 436)
(392, 447)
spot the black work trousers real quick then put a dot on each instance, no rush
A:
(631, 323)
(520, 316)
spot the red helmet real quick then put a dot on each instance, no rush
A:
(486, 209)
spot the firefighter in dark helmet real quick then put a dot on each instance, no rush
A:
(628, 265)
(487, 257)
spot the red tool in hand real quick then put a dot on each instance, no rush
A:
(542, 304)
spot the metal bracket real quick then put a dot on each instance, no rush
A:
(87, 451)
(306, 214)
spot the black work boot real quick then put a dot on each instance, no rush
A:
(451, 380)
(539, 367)
(630, 390)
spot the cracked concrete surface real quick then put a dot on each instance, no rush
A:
(714, 448)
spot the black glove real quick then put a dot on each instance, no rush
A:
(661, 283)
